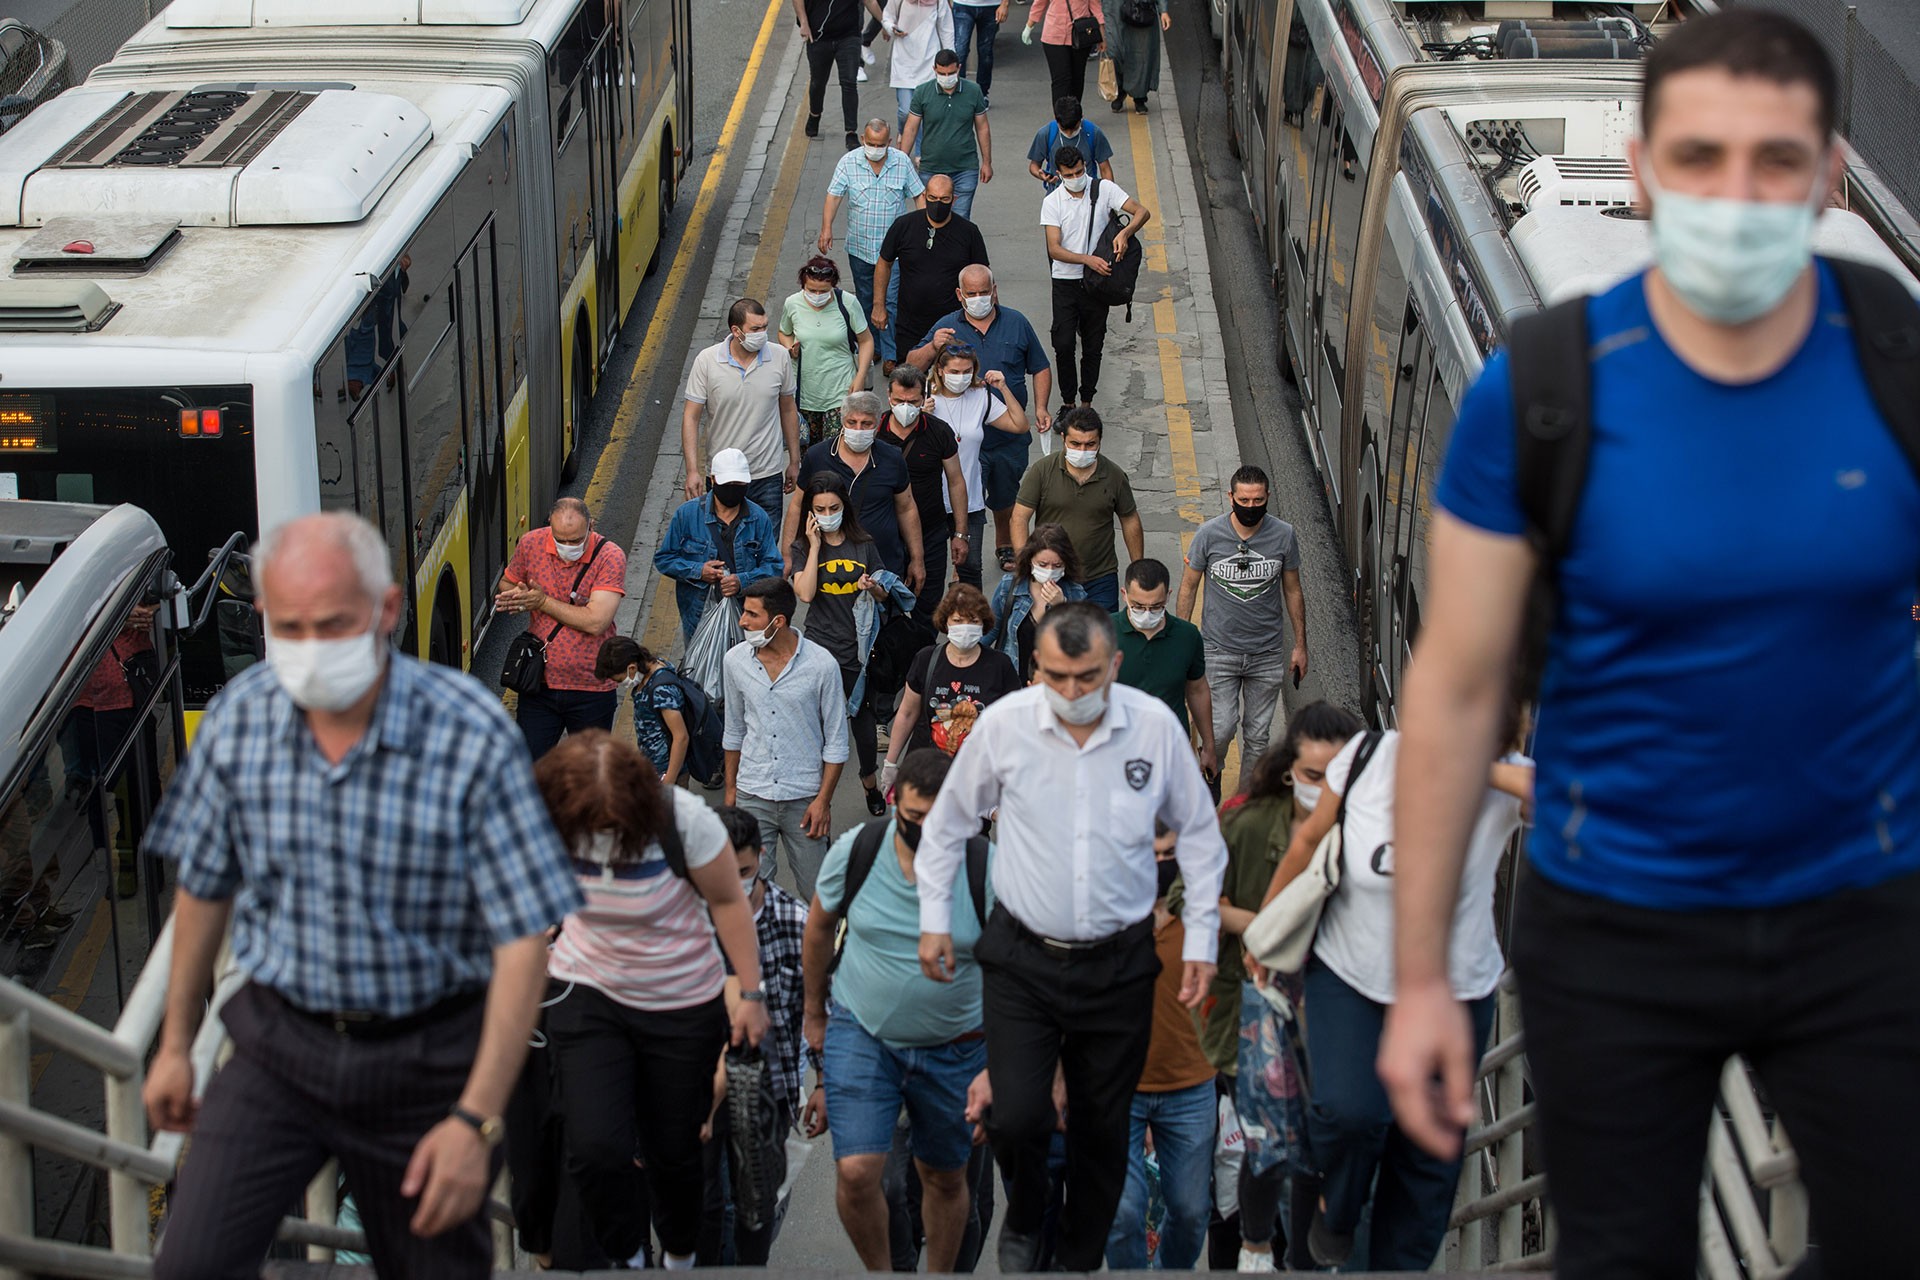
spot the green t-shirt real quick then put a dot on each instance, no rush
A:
(947, 144)
(826, 362)
(1256, 834)
(1162, 664)
(1086, 511)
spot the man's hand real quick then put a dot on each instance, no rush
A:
(168, 1092)
(986, 171)
(817, 821)
(729, 584)
(448, 1173)
(749, 1022)
(727, 797)
(1120, 241)
(813, 1029)
(879, 315)
(790, 477)
(813, 1118)
(1166, 22)
(1000, 14)
(696, 486)
(713, 570)
(979, 1101)
(1096, 264)
(1209, 762)
(806, 34)
(1042, 419)
(916, 574)
(936, 956)
(1194, 983)
(1298, 663)
(1426, 1062)
(956, 548)
(826, 239)
(941, 337)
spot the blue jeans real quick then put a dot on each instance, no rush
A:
(545, 716)
(769, 493)
(1183, 1122)
(1352, 1134)
(862, 272)
(902, 101)
(964, 185)
(1104, 591)
(980, 23)
(869, 1080)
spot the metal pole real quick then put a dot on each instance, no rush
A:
(1846, 76)
(16, 1157)
(127, 1199)
(323, 1207)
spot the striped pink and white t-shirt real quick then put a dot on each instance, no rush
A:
(644, 938)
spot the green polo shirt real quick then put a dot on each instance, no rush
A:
(947, 144)
(1161, 664)
(1086, 511)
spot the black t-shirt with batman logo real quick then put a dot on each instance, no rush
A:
(830, 615)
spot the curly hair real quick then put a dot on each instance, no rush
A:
(965, 600)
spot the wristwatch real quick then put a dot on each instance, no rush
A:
(490, 1128)
(755, 996)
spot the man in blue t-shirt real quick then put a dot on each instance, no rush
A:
(1068, 129)
(1725, 851)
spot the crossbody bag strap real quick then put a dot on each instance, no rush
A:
(578, 578)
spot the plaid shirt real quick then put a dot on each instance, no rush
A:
(873, 200)
(382, 883)
(782, 926)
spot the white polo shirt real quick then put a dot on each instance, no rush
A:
(1073, 853)
(1069, 212)
(743, 403)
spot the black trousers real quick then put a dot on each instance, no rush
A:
(1630, 1014)
(546, 1204)
(822, 57)
(936, 531)
(861, 725)
(1091, 1012)
(1077, 318)
(294, 1094)
(1067, 68)
(635, 1081)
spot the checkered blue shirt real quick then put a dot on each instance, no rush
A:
(873, 200)
(382, 883)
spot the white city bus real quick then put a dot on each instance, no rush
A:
(279, 256)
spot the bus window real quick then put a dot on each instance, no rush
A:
(1434, 433)
(435, 417)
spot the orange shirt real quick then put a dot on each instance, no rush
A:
(1174, 1060)
(570, 653)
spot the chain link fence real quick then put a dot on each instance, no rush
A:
(1879, 101)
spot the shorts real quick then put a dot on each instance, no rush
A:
(1000, 472)
(868, 1081)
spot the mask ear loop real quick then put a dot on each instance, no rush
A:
(538, 1040)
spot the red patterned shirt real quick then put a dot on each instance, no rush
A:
(571, 652)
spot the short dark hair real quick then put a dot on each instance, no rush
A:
(908, 376)
(1085, 418)
(1068, 157)
(1067, 111)
(743, 829)
(1074, 624)
(617, 653)
(1743, 42)
(737, 313)
(946, 58)
(1148, 575)
(1249, 474)
(776, 594)
(924, 769)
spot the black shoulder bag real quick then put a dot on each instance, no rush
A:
(525, 668)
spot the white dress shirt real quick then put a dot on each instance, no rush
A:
(1074, 840)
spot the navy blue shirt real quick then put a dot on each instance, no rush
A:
(1730, 715)
(1009, 345)
(873, 489)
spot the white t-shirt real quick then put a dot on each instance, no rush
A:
(1356, 930)
(929, 29)
(968, 415)
(1068, 212)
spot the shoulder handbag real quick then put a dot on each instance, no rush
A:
(1086, 33)
(853, 343)
(524, 670)
(1281, 936)
(1139, 13)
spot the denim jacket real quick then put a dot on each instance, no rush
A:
(693, 538)
(868, 617)
(1012, 602)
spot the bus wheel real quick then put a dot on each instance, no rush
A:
(665, 205)
(578, 398)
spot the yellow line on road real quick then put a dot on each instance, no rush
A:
(1173, 381)
(81, 966)
(626, 418)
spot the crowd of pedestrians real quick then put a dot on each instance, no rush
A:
(1044, 971)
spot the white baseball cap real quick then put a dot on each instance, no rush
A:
(730, 467)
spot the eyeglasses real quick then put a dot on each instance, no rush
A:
(821, 273)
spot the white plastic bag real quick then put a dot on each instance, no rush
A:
(718, 631)
(1229, 1150)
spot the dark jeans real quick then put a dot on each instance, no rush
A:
(636, 1082)
(936, 529)
(979, 23)
(1091, 1012)
(769, 493)
(1104, 591)
(294, 1094)
(822, 57)
(883, 339)
(1077, 317)
(862, 726)
(548, 715)
(1067, 67)
(968, 570)
(906, 1235)
(1353, 1137)
(1630, 1014)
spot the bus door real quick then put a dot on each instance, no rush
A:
(483, 384)
(602, 81)
(380, 447)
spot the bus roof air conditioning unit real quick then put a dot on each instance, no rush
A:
(53, 306)
(1599, 181)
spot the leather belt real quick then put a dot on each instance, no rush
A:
(361, 1024)
(1083, 946)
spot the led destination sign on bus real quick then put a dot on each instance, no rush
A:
(26, 423)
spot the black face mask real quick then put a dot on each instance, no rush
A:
(1249, 514)
(730, 495)
(909, 832)
(938, 211)
(1168, 870)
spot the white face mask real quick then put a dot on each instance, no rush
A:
(873, 153)
(1041, 573)
(978, 307)
(1084, 709)
(947, 82)
(570, 551)
(956, 383)
(1306, 795)
(754, 341)
(817, 300)
(1145, 619)
(326, 675)
(1076, 184)
(859, 441)
(1081, 457)
(830, 522)
(1731, 261)
(965, 635)
(907, 413)
(760, 639)
(631, 681)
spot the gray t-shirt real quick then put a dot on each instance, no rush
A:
(1245, 607)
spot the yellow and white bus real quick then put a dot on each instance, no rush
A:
(281, 256)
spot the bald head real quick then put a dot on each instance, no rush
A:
(876, 132)
(940, 187)
(325, 576)
(975, 279)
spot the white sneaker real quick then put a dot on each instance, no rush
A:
(1251, 1261)
(862, 77)
(866, 54)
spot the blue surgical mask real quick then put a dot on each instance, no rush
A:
(1731, 261)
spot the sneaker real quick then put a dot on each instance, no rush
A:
(41, 939)
(861, 75)
(813, 126)
(1252, 1261)
(853, 139)
(866, 56)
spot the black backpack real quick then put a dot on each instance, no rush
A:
(1115, 289)
(1551, 377)
(860, 860)
(706, 760)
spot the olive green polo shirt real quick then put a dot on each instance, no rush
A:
(947, 142)
(1087, 511)
(1256, 834)
(1163, 663)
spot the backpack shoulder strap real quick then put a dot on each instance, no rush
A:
(1552, 384)
(860, 860)
(839, 300)
(1886, 333)
(1369, 743)
(1053, 140)
(669, 836)
(977, 849)
(1093, 208)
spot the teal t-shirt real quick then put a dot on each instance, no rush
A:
(879, 980)
(947, 144)
(826, 362)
